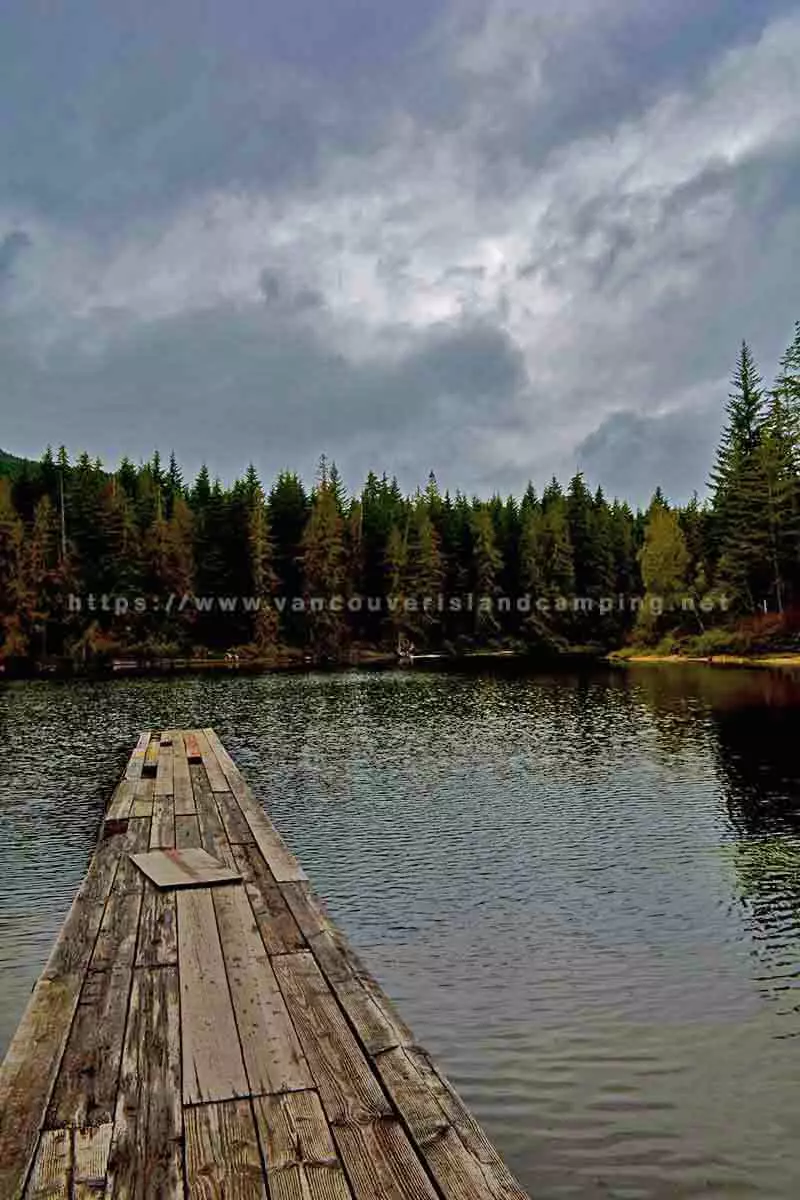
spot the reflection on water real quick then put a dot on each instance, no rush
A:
(582, 890)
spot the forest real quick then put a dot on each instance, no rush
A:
(98, 563)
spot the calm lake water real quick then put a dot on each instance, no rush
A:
(583, 891)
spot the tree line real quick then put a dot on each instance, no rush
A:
(597, 572)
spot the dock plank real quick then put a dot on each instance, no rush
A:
(162, 831)
(86, 1086)
(346, 1083)
(136, 761)
(143, 798)
(52, 1168)
(273, 1058)
(182, 781)
(279, 858)
(212, 831)
(158, 932)
(146, 1158)
(277, 926)
(462, 1161)
(216, 776)
(164, 770)
(187, 832)
(302, 1162)
(212, 1061)
(223, 1158)
(150, 762)
(90, 1163)
(28, 1073)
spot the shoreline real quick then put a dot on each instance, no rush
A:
(785, 661)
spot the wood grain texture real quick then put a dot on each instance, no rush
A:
(236, 827)
(28, 1073)
(381, 1162)
(212, 1059)
(223, 1158)
(143, 798)
(121, 800)
(192, 746)
(86, 1087)
(158, 929)
(187, 832)
(277, 926)
(90, 1161)
(182, 782)
(50, 1176)
(164, 770)
(150, 762)
(376, 1021)
(216, 776)
(162, 830)
(145, 1159)
(273, 1058)
(346, 1083)
(279, 858)
(212, 831)
(136, 761)
(302, 1163)
(459, 1156)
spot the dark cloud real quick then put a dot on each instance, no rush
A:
(639, 453)
(228, 387)
(282, 295)
(11, 247)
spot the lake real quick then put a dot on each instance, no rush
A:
(581, 889)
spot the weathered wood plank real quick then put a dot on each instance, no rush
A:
(28, 1073)
(86, 1086)
(143, 798)
(92, 1148)
(381, 1162)
(461, 1159)
(158, 931)
(145, 1158)
(216, 776)
(116, 941)
(223, 1158)
(136, 761)
(119, 807)
(137, 839)
(52, 1167)
(164, 771)
(377, 1023)
(272, 1056)
(281, 861)
(212, 831)
(150, 763)
(193, 752)
(278, 928)
(187, 832)
(162, 831)
(302, 1163)
(212, 1059)
(182, 781)
(306, 909)
(237, 829)
(346, 1083)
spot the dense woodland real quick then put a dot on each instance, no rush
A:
(719, 574)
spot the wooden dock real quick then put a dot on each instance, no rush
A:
(220, 1041)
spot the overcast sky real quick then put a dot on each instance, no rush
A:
(492, 238)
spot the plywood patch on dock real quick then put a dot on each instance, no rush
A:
(183, 868)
